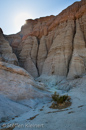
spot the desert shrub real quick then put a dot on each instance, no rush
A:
(60, 99)
(55, 96)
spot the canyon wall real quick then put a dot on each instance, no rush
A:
(6, 53)
(15, 82)
(53, 45)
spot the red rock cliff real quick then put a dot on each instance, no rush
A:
(53, 45)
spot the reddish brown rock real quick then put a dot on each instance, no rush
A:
(53, 45)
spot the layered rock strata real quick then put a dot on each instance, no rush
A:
(53, 45)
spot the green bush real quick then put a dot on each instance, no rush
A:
(60, 99)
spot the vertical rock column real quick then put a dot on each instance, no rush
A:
(28, 55)
(78, 62)
(60, 53)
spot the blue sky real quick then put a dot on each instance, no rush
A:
(14, 12)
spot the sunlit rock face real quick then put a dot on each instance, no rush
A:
(53, 45)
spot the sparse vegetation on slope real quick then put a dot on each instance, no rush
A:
(60, 101)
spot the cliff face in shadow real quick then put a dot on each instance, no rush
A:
(53, 45)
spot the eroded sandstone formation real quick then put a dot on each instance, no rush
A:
(6, 53)
(53, 45)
